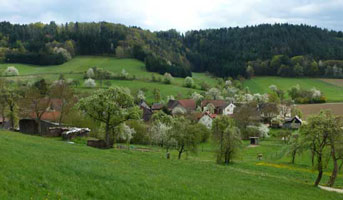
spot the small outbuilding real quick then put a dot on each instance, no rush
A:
(254, 140)
(30, 126)
(292, 123)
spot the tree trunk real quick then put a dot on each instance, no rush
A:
(320, 171)
(39, 126)
(107, 137)
(335, 167)
(293, 156)
(61, 115)
(312, 158)
(180, 152)
(227, 157)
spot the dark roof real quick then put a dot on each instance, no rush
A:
(157, 106)
(216, 103)
(143, 104)
(171, 104)
(295, 119)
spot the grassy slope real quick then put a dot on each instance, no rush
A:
(261, 85)
(38, 167)
(76, 67)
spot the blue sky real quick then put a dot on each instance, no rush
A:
(182, 15)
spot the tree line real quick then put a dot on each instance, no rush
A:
(279, 49)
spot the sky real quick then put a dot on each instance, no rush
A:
(182, 15)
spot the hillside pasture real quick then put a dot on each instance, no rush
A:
(75, 69)
(44, 168)
(333, 92)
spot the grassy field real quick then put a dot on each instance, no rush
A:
(75, 69)
(33, 167)
(333, 92)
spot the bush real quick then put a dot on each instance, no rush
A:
(189, 82)
(167, 78)
(11, 71)
(90, 83)
(142, 135)
(90, 73)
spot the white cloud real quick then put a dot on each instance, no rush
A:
(180, 14)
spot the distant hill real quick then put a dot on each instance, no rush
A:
(222, 52)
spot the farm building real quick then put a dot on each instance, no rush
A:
(292, 123)
(30, 126)
(207, 119)
(157, 107)
(219, 105)
(147, 111)
(186, 105)
(229, 109)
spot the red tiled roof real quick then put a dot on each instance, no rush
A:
(216, 103)
(188, 103)
(48, 116)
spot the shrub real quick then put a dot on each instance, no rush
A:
(59, 50)
(90, 73)
(141, 136)
(11, 71)
(90, 83)
(167, 78)
(189, 82)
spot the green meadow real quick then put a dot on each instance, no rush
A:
(76, 68)
(333, 93)
(34, 167)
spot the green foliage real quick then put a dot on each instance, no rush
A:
(111, 107)
(228, 138)
(141, 136)
(189, 82)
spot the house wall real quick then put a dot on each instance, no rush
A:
(229, 110)
(207, 121)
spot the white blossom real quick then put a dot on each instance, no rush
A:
(11, 71)
(89, 83)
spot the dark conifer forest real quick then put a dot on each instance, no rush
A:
(279, 49)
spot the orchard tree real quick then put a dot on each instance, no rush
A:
(167, 78)
(228, 138)
(186, 137)
(189, 82)
(112, 107)
(319, 134)
(126, 133)
(62, 91)
(36, 102)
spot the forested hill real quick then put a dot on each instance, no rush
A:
(226, 50)
(48, 44)
(271, 49)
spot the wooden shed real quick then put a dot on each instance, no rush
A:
(254, 140)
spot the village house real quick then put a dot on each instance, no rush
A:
(292, 123)
(207, 119)
(229, 109)
(147, 111)
(219, 105)
(157, 107)
(186, 105)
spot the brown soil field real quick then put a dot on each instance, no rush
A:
(337, 82)
(311, 109)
